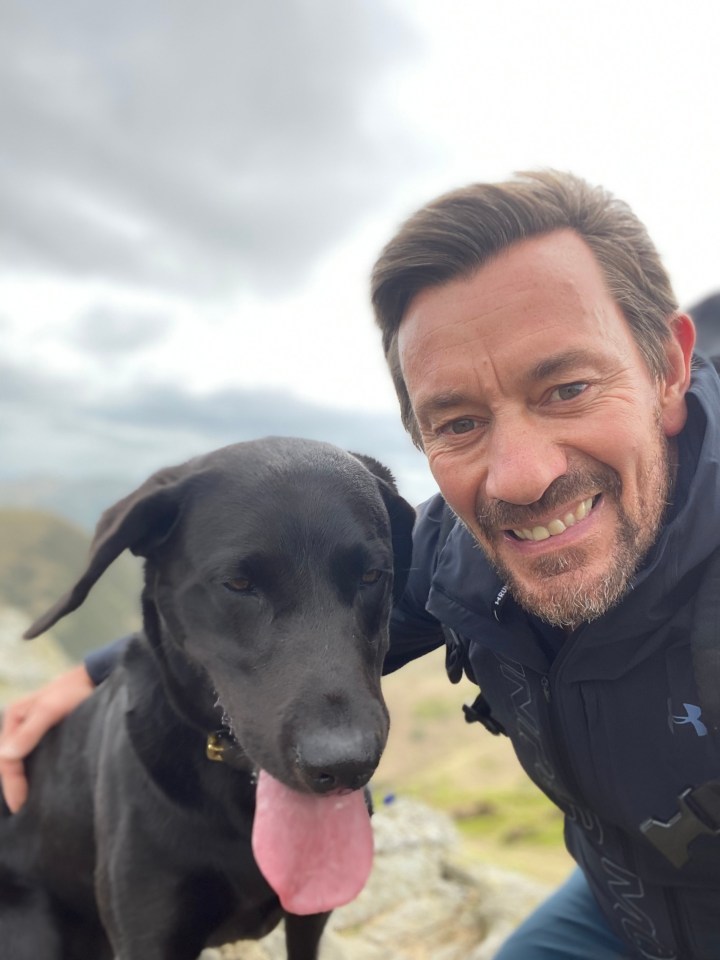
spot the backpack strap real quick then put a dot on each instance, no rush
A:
(699, 807)
(479, 710)
(706, 644)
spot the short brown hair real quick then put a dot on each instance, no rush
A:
(454, 235)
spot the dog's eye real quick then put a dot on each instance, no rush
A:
(239, 585)
(370, 577)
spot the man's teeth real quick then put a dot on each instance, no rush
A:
(556, 526)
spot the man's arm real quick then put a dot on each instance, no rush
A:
(26, 721)
(413, 631)
(101, 663)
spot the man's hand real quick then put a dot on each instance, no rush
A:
(26, 721)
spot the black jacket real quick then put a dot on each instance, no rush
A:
(608, 725)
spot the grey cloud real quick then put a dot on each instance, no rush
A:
(193, 145)
(107, 329)
(22, 386)
(227, 416)
(232, 415)
(50, 428)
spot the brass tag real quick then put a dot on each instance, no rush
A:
(215, 748)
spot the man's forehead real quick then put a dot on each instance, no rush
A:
(544, 285)
(557, 260)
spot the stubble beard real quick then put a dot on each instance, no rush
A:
(554, 587)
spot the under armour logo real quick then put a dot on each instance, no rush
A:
(692, 715)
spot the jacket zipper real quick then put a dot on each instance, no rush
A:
(562, 758)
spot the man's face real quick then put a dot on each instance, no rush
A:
(542, 424)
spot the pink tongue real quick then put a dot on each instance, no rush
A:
(315, 852)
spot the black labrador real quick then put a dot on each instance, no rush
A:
(270, 569)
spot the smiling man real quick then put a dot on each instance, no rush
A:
(543, 366)
(571, 562)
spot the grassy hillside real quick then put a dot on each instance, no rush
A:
(40, 558)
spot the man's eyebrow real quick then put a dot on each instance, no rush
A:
(560, 363)
(442, 401)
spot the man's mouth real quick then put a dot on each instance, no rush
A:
(557, 525)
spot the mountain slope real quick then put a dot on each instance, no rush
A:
(40, 558)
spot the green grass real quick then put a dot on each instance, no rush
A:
(433, 709)
(517, 816)
(516, 828)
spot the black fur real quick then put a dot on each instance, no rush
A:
(261, 615)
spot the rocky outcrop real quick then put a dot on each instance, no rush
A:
(420, 902)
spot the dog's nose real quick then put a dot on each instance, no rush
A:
(330, 761)
(345, 776)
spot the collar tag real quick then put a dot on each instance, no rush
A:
(215, 746)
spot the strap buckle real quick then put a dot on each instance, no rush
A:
(479, 712)
(699, 815)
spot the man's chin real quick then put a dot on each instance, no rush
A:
(531, 574)
(564, 588)
(568, 598)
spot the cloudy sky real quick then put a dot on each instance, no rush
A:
(192, 195)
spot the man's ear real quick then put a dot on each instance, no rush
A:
(679, 351)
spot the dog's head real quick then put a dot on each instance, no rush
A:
(271, 567)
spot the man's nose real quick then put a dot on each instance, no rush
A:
(524, 459)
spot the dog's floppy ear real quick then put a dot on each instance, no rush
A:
(402, 519)
(139, 522)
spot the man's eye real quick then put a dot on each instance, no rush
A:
(568, 391)
(463, 425)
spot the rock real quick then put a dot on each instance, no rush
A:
(419, 904)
